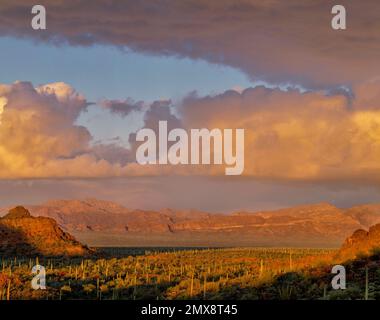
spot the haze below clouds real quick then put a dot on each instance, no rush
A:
(218, 195)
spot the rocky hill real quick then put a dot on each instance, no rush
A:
(23, 234)
(361, 242)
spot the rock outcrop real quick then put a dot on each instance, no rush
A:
(361, 242)
(24, 235)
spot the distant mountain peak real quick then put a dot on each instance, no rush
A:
(18, 212)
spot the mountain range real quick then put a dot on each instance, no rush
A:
(103, 223)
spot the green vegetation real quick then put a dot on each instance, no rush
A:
(246, 273)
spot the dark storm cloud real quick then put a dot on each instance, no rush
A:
(278, 41)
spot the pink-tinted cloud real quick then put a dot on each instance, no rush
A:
(39, 137)
(294, 135)
(289, 135)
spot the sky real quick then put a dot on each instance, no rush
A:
(104, 71)
(73, 96)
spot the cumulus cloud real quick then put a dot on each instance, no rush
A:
(40, 121)
(39, 137)
(160, 110)
(289, 134)
(295, 135)
(278, 41)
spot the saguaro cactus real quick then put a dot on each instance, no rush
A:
(9, 290)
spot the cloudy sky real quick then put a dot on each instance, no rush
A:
(73, 96)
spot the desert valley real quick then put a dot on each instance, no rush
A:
(235, 256)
